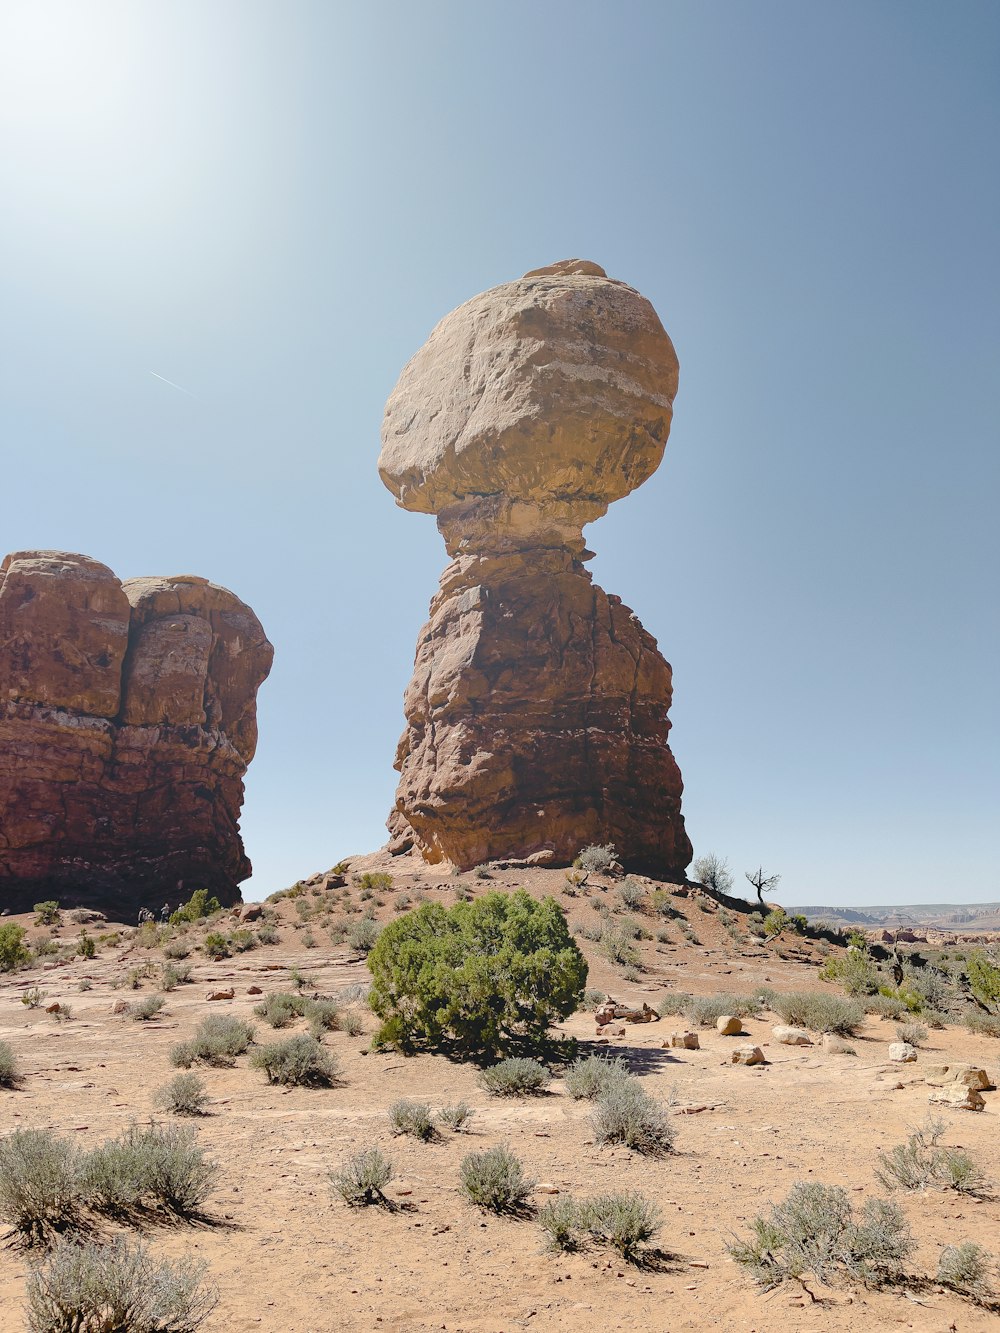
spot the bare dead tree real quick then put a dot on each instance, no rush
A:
(762, 883)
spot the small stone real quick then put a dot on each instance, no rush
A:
(688, 1041)
(53, 1008)
(546, 1189)
(227, 994)
(902, 1052)
(791, 1036)
(837, 1045)
(251, 912)
(728, 1025)
(119, 1006)
(748, 1055)
(254, 990)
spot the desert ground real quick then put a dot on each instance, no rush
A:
(288, 1256)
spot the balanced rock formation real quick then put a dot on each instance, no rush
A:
(537, 713)
(127, 721)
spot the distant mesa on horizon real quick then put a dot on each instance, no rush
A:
(537, 712)
(127, 722)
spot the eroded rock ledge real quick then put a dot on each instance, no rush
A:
(127, 721)
(537, 713)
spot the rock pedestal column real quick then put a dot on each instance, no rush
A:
(537, 713)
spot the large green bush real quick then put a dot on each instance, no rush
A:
(476, 976)
(984, 978)
(12, 949)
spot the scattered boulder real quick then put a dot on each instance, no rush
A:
(747, 1055)
(611, 1010)
(729, 1025)
(251, 912)
(688, 1041)
(902, 1052)
(536, 698)
(54, 1008)
(958, 1097)
(254, 990)
(837, 1045)
(119, 1007)
(227, 994)
(789, 1036)
(127, 722)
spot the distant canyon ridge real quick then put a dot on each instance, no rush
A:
(127, 721)
(536, 718)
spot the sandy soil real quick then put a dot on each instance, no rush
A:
(289, 1257)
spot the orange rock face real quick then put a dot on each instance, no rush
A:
(537, 713)
(127, 721)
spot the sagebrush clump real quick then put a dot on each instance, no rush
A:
(297, 1060)
(362, 1178)
(626, 1114)
(39, 1184)
(218, 1040)
(183, 1095)
(117, 1287)
(594, 1076)
(147, 1167)
(815, 1230)
(495, 1180)
(514, 1077)
(412, 1118)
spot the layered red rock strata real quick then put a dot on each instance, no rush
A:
(127, 721)
(537, 713)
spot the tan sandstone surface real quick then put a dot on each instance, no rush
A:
(537, 712)
(127, 721)
(289, 1257)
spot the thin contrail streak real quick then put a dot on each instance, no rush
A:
(179, 387)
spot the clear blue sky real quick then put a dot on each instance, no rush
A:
(271, 204)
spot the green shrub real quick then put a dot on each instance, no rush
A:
(8, 1066)
(183, 1095)
(414, 1118)
(966, 1269)
(984, 979)
(514, 1077)
(476, 975)
(114, 1286)
(362, 935)
(171, 976)
(13, 953)
(242, 940)
(33, 997)
(562, 1220)
(146, 1008)
(39, 1190)
(624, 1219)
(362, 1178)
(296, 1060)
(495, 1180)
(819, 1012)
(86, 946)
(280, 1009)
(267, 934)
(597, 860)
(199, 905)
(47, 914)
(886, 1006)
(176, 949)
(626, 1114)
(217, 1041)
(374, 881)
(815, 1231)
(352, 1023)
(456, 1117)
(592, 1077)
(617, 946)
(215, 945)
(855, 971)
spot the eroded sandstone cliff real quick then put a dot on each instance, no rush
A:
(537, 713)
(127, 721)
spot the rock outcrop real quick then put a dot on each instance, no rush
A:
(537, 712)
(127, 721)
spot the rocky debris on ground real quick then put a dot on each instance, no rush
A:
(127, 721)
(537, 699)
(837, 1045)
(687, 1041)
(611, 1010)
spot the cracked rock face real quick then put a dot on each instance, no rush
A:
(127, 721)
(537, 713)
